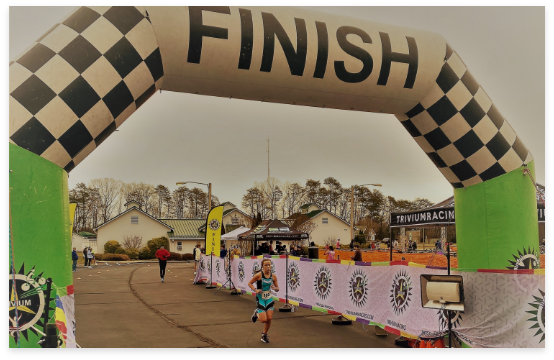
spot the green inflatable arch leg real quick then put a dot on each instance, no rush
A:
(41, 243)
(496, 223)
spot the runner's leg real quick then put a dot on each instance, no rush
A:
(269, 316)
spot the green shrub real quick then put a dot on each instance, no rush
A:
(133, 254)
(155, 244)
(188, 256)
(115, 257)
(144, 254)
(175, 256)
(99, 256)
(119, 250)
(111, 246)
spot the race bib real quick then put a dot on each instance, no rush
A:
(266, 295)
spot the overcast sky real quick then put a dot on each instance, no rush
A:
(179, 137)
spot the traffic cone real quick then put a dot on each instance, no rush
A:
(422, 344)
(429, 344)
(440, 343)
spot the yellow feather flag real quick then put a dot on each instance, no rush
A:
(213, 231)
(72, 207)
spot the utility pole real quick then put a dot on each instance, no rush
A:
(352, 213)
(209, 198)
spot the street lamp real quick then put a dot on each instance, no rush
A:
(352, 207)
(209, 185)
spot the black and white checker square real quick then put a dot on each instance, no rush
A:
(461, 130)
(80, 81)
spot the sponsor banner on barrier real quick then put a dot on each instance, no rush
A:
(502, 309)
(385, 295)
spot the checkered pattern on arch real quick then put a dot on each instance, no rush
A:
(81, 80)
(461, 130)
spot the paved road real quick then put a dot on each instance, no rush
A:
(128, 307)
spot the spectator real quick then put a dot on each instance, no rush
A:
(312, 243)
(330, 253)
(90, 256)
(352, 244)
(414, 246)
(438, 245)
(197, 252)
(358, 254)
(85, 256)
(372, 246)
(338, 244)
(271, 247)
(265, 248)
(293, 251)
(74, 257)
(222, 251)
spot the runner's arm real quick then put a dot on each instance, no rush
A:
(256, 277)
(276, 286)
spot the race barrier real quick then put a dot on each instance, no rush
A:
(78, 83)
(504, 308)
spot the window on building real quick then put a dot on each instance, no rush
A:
(325, 220)
(235, 220)
(134, 219)
(179, 245)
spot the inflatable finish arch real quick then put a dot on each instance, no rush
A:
(88, 74)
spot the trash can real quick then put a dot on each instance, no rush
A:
(313, 252)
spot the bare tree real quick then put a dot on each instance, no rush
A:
(272, 192)
(108, 193)
(304, 224)
(162, 193)
(293, 196)
(132, 242)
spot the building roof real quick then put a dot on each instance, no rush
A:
(299, 218)
(86, 234)
(227, 202)
(227, 212)
(185, 228)
(126, 211)
(305, 206)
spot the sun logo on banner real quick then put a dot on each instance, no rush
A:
(456, 317)
(323, 282)
(256, 268)
(217, 267)
(293, 277)
(401, 292)
(539, 313)
(273, 268)
(209, 266)
(241, 271)
(530, 259)
(358, 288)
(214, 224)
(29, 301)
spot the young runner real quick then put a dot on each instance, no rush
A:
(265, 281)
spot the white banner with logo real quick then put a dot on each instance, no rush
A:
(502, 308)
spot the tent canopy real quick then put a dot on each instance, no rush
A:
(274, 230)
(234, 235)
(442, 214)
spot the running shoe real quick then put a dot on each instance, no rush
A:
(254, 316)
(265, 338)
(162, 279)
